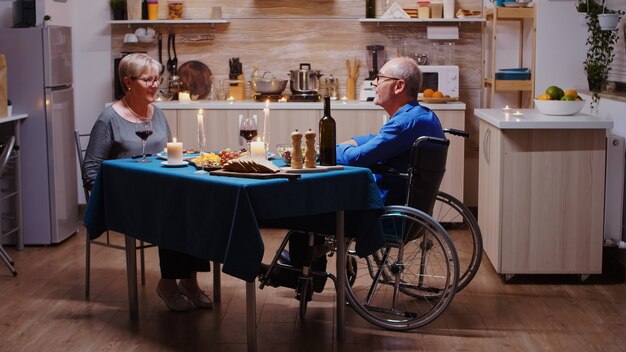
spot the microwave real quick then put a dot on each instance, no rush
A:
(442, 78)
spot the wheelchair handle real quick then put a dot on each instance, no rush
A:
(456, 132)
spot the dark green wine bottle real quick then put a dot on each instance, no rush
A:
(328, 139)
(370, 8)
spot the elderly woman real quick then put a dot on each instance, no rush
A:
(113, 137)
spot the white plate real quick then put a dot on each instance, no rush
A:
(437, 100)
(166, 164)
(163, 156)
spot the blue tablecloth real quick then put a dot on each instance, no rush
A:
(218, 218)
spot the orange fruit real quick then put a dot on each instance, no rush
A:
(571, 93)
(428, 93)
(437, 94)
(544, 96)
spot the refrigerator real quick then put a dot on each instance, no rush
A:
(39, 66)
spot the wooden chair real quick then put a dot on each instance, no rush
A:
(106, 242)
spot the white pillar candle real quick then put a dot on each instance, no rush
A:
(201, 140)
(184, 97)
(174, 152)
(258, 149)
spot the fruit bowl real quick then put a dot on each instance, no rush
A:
(284, 152)
(559, 107)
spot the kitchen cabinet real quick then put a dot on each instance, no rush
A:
(541, 192)
(500, 19)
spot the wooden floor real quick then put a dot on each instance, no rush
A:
(44, 309)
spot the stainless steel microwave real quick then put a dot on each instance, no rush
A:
(442, 78)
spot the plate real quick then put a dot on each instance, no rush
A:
(437, 100)
(197, 77)
(166, 164)
(515, 4)
(163, 156)
(210, 168)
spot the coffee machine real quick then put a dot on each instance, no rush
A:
(376, 58)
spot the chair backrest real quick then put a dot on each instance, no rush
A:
(427, 165)
(81, 156)
(7, 151)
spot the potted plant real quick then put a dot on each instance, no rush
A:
(118, 9)
(600, 44)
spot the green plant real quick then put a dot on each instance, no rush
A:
(117, 4)
(600, 54)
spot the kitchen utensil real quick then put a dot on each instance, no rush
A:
(175, 59)
(197, 77)
(353, 67)
(274, 86)
(305, 80)
(170, 64)
(160, 49)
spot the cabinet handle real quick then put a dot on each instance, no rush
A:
(486, 144)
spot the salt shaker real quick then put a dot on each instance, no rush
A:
(309, 151)
(296, 150)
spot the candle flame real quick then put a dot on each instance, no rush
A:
(200, 111)
(174, 139)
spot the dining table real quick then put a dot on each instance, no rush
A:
(219, 218)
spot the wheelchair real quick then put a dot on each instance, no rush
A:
(410, 281)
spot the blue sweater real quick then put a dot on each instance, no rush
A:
(392, 146)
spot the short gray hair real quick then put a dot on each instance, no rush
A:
(133, 65)
(407, 69)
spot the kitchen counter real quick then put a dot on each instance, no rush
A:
(533, 119)
(251, 105)
(541, 191)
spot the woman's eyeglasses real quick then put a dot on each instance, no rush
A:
(150, 81)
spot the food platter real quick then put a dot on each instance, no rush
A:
(515, 4)
(207, 168)
(437, 100)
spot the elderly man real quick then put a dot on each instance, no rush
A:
(396, 86)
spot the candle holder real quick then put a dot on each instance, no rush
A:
(506, 109)
(518, 113)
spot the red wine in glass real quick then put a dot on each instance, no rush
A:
(143, 130)
(248, 135)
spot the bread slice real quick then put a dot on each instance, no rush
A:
(251, 165)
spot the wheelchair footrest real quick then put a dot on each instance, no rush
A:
(286, 276)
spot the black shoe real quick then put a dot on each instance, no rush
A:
(284, 258)
(280, 277)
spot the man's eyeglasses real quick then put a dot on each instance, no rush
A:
(150, 81)
(381, 78)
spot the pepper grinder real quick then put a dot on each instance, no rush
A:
(309, 151)
(296, 150)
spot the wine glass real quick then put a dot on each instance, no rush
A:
(143, 130)
(248, 130)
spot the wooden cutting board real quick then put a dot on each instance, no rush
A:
(255, 175)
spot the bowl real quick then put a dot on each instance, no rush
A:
(145, 38)
(284, 152)
(559, 107)
(275, 86)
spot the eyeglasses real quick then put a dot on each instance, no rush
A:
(381, 78)
(150, 81)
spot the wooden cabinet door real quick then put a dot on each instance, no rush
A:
(352, 123)
(282, 123)
(452, 182)
(221, 129)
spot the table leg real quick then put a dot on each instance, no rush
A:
(251, 315)
(341, 278)
(131, 274)
(217, 282)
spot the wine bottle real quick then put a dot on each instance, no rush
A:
(370, 8)
(328, 133)
(144, 10)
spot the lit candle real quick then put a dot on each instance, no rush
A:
(231, 99)
(506, 108)
(266, 123)
(518, 113)
(258, 149)
(201, 140)
(282, 100)
(184, 97)
(344, 99)
(174, 152)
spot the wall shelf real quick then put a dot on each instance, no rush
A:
(171, 22)
(417, 20)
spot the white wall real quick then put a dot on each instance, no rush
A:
(61, 12)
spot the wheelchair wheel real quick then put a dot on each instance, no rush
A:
(462, 227)
(411, 280)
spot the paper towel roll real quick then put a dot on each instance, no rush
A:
(448, 8)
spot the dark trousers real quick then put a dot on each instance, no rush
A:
(176, 265)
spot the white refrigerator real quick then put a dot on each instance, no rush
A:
(39, 63)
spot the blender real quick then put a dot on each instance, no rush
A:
(376, 58)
